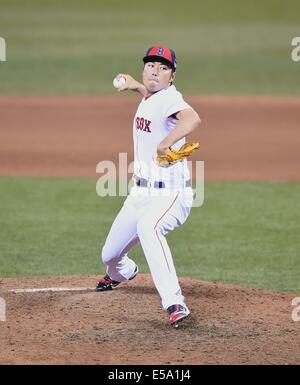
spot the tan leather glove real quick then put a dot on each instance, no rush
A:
(174, 156)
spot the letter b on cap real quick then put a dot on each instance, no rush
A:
(160, 51)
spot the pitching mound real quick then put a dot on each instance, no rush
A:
(229, 325)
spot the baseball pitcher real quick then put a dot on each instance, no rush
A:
(161, 197)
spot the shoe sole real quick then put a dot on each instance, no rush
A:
(106, 289)
(113, 286)
(135, 274)
(178, 322)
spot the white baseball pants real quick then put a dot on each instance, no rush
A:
(146, 216)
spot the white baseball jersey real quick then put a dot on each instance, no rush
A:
(152, 123)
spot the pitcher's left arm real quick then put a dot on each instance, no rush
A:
(188, 121)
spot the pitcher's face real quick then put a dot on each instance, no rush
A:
(156, 76)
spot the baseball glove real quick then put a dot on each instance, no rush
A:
(174, 156)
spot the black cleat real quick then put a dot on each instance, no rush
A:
(106, 283)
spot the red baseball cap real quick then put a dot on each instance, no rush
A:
(161, 53)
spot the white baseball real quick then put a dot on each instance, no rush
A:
(119, 82)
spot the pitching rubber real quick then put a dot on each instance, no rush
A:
(52, 289)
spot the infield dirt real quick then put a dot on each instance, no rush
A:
(229, 325)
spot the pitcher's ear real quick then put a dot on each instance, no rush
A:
(173, 76)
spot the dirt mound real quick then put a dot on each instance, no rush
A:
(229, 325)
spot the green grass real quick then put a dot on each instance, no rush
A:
(245, 233)
(223, 47)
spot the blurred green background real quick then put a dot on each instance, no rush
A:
(76, 47)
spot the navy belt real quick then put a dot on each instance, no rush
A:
(141, 182)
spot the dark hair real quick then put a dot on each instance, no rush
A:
(160, 60)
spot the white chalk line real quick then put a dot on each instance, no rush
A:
(52, 289)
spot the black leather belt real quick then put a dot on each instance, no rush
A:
(141, 182)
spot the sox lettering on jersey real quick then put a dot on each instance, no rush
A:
(143, 124)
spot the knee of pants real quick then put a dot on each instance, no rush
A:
(147, 226)
(108, 253)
